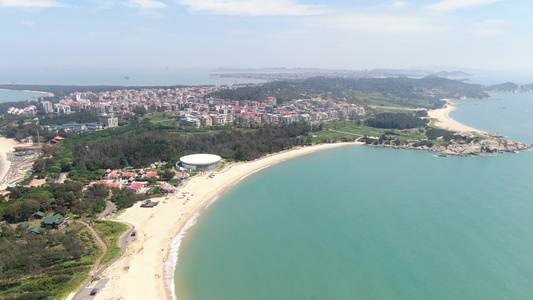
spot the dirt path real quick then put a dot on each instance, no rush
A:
(104, 246)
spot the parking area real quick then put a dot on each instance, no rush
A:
(85, 294)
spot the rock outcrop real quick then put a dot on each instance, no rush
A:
(484, 147)
(488, 144)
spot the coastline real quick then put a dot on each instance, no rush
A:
(145, 271)
(11, 171)
(30, 91)
(444, 121)
(6, 146)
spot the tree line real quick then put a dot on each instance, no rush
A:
(403, 91)
(141, 145)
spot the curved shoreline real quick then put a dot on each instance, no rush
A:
(142, 273)
(444, 121)
(6, 146)
(6, 168)
(29, 91)
(147, 269)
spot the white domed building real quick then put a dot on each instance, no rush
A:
(199, 162)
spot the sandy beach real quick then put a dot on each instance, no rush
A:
(140, 273)
(8, 172)
(6, 146)
(28, 91)
(444, 121)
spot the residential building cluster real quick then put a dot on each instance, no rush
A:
(104, 121)
(128, 180)
(215, 112)
(27, 111)
(190, 106)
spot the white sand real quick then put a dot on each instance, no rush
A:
(29, 91)
(444, 121)
(134, 275)
(6, 146)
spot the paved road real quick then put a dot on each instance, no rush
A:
(85, 293)
(109, 208)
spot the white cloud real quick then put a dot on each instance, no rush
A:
(252, 7)
(100, 33)
(28, 23)
(145, 4)
(399, 4)
(379, 23)
(31, 3)
(449, 5)
(488, 28)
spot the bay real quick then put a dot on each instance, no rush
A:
(12, 96)
(366, 223)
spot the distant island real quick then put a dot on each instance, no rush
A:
(303, 73)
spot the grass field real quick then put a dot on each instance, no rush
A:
(110, 233)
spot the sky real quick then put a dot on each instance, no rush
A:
(332, 34)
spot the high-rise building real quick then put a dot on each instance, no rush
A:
(46, 106)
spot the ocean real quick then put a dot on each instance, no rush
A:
(11, 96)
(132, 77)
(363, 223)
(368, 223)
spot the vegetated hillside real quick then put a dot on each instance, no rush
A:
(508, 86)
(146, 144)
(402, 91)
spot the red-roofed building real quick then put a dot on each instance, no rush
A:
(114, 185)
(129, 174)
(135, 187)
(167, 188)
(150, 174)
(182, 175)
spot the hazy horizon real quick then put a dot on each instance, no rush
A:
(211, 34)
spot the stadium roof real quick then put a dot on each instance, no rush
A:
(200, 159)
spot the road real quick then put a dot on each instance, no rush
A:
(110, 207)
(125, 239)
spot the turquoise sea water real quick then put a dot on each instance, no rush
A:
(366, 223)
(11, 96)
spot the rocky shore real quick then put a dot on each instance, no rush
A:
(487, 145)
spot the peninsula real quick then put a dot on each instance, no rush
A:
(108, 150)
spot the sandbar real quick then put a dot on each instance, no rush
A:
(140, 273)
